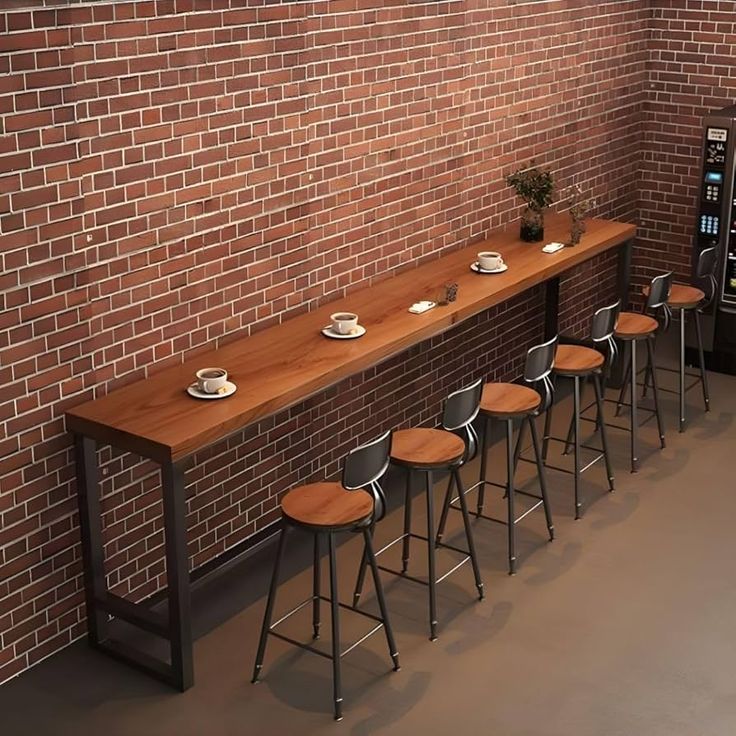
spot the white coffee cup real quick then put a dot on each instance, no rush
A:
(344, 322)
(211, 380)
(489, 260)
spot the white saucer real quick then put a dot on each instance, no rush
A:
(475, 267)
(358, 331)
(229, 387)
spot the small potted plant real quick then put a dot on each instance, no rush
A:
(535, 186)
(580, 205)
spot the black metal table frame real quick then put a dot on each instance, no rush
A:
(176, 627)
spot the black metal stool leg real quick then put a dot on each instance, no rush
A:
(483, 465)
(570, 434)
(634, 419)
(361, 571)
(542, 479)
(682, 371)
(371, 557)
(445, 509)
(335, 608)
(431, 558)
(510, 495)
(316, 590)
(576, 436)
(701, 357)
(647, 378)
(660, 424)
(548, 421)
(468, 532)
(266, 627)
(519, 445)
(602, 426)
(405, 544)
(625, 380)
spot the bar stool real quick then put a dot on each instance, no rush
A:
(354, 505)
(507, 402)
(582, 363)
(632, 328)
(687, 299)
(425, 451)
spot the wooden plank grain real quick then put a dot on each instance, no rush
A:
(285, 364)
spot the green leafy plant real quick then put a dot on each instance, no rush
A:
(534, 185)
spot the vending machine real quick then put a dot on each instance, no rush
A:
(716, 226)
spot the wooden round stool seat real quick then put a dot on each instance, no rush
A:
(327, 505)
(634, 326)
(426, 448)
(682, 296)
(577, 360)
(505, 400)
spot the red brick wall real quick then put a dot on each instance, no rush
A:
(173, 178)
(691, 73)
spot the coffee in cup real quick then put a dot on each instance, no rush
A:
(211, 380)
(489, 260)
(344, 322)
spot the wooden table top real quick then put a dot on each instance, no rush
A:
(282, 365)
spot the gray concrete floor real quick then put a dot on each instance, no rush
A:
(622, 625)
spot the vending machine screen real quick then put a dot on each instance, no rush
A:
(712, 186)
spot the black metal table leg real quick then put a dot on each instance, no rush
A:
(177, 574)
(623, 273)
(551, 308)
(90, 522)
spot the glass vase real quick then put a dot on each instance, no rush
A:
(532, 225)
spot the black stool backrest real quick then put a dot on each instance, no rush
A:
(540, 360)
(603, 326)
(659, 290)
(659, 293)
(364, 467)
(461, 408)
(706, 269)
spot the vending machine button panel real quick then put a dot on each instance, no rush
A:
(709, 224)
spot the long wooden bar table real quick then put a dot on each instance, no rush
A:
(274, 369)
